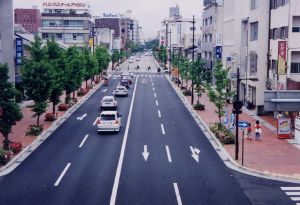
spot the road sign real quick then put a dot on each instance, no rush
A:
(238, 105)
(233, 75)
(243, 124)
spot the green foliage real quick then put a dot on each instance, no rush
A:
(11, 112)
(224, 135)
(90, 64)
(162, 54)
(103, 58)
(34, 130)
(115, 56)
(219, 95)
(199, 106)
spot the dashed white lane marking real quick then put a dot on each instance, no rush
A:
(153, 89)
(62, 174)
(95, 121)
(168, 154)
(122, 153)
(155, 95)
(83, 141)
(162, 129)
(156, 102)
(179, 202)
(159, 114)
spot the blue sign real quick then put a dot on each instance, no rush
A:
(19, 51)
(219, 52)
(243, 124)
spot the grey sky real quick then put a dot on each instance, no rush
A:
(149, 12)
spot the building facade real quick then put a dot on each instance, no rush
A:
(30, 19)
(68, 24)
(7, 49)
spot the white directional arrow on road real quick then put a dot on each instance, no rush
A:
(104, 90)
(145, 153)
(82, 117)
(195, 153)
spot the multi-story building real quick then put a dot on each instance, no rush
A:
(174, 11)
(7, 48)
(69, 23)
(212, 26)
(284, 65)
(30, 19)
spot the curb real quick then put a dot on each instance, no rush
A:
(19, 158)
(223, 154)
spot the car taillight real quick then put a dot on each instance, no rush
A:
(99, 122)
(117, 122)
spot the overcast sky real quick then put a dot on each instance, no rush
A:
(150, 13)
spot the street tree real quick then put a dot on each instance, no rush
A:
(115, 56)
(103, 58)
(38, 77)
(11, 112)
(57, 60)
(90, 65)
(162, 55)
(219, 94)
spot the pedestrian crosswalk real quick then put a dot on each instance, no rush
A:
(293, 193)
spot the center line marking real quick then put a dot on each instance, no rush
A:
(177, 194)
(168, 154)
(156, 102)
(153, 89)
(155, 95)
(121, 158)
(62, 174)
(83, 141)
(95, 121)
(159, 114)
(162, 129)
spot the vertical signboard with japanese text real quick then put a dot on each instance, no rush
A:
(283, 128)
(19, 51)
(281, 57)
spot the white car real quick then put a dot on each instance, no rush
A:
(121, 91)
(109, 121)
(137, 59)
(108, 102)
(130, 61)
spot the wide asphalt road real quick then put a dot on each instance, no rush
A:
(160, 156)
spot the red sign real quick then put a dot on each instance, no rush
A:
(281, 57)
(283, 128)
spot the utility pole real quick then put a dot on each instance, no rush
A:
(193, 58)
(237, 105)
(170, 54)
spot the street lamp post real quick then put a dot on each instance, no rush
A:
(193, 52)
(170, 53)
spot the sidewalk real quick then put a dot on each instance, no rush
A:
(272, 156)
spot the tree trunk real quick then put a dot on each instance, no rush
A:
(53, 107)
(6, 142)
(38, 120)
(86, 84)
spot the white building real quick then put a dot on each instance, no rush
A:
(105, 37)
(7, 49)
(285, 37)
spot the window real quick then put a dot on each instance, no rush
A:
(296, 24)
(283, 32)
(253, 63)
(254, 4)
(295, 67)
(210, 20)
(254, 31)
(277, 3)
(295, 62)
(274, 65)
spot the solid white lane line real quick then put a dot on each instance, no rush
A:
(156, 102)
(95, 121)
(168, 154)
(293, 193)
(295, 198)
(159, 114)
(62, 174)
(121, 158)
(83, 141)
(155, 95)
(162, 129)
(290, 188)
(179, 202)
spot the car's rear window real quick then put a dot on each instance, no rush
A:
(121, 88)
(107, 100)
(107, 117)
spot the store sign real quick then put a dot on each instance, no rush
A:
(219, 39)
(19, 51)
(219, 52)
(65, 5)
(228, 62)
(281, 57)
(283, 127)
(110, 15)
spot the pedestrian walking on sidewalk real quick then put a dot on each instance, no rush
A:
(249, 135)
(257, 130)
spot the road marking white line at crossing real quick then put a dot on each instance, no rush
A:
(83, 141)
(162, 129)
(168, 154)
(156, 102)
(62, 174)
(177, 194)
(293, 193)
(121, 158)
(295, 198)
(290, 188)
(159, 114)
(95, 121)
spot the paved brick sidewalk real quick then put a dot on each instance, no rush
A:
(271, 155)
